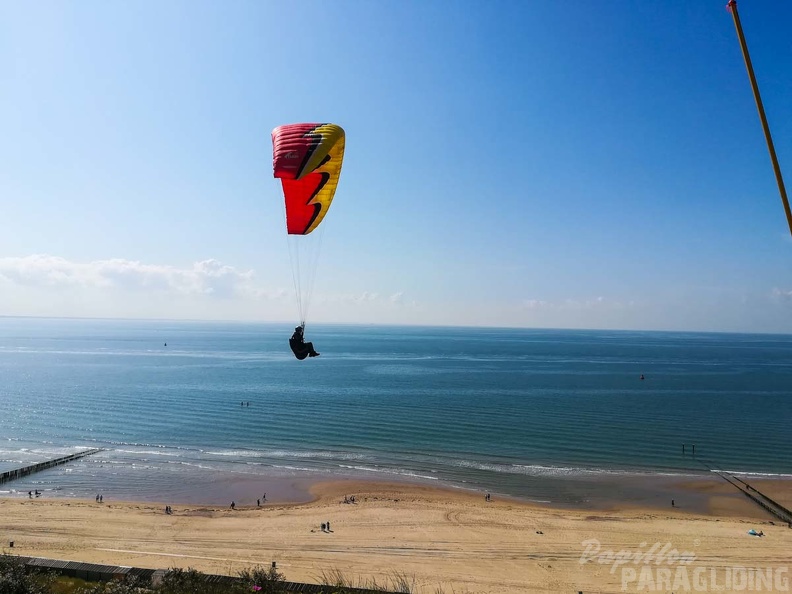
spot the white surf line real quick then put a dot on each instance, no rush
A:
(186, 556)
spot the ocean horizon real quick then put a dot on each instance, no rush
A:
(224, 411)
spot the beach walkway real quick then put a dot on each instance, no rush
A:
(11, 475)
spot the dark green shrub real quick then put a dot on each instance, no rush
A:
(15, 578)
(127, 585)
(264, 580)
(191, 581)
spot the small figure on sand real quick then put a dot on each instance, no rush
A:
(233, 505)
(487, 498)
(672, 503)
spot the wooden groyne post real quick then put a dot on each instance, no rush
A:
(11, 475)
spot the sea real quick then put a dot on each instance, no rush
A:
(209, 412)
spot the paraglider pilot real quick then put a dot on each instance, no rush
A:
(299, 347)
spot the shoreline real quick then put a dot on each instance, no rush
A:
(691, 492)
(445, 538)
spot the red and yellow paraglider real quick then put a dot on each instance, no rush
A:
(307, 158)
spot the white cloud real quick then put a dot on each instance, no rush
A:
(782, 294)
(535, 304)
(54, 286)
(366, 297)
(574, 304)
(208, 277)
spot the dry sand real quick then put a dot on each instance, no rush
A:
(446, 540)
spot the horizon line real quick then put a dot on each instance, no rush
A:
(387, 325)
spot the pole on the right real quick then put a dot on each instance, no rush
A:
(732, 6)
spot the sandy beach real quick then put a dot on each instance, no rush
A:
(443, 539)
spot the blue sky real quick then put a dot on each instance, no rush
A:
(539, 164)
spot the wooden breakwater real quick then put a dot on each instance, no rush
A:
(11, 475)
(769, 505)
(785, 514)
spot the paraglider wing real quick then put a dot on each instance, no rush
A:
(307, 158)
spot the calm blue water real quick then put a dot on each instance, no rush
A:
(498, 409)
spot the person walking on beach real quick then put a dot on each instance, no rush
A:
(233, 505)
(258, 502)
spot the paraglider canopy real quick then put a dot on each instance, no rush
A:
(307, 158)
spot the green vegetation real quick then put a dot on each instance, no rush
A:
(17, 578)
(68, 585)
